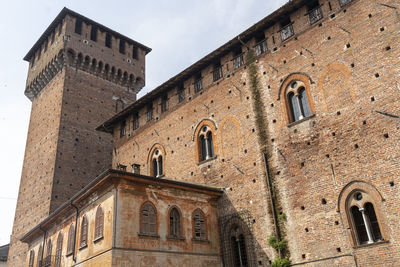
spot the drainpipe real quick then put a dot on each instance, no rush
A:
(44, 241)
(277, 232)
(76, 229)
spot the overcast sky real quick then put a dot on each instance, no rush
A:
(180, 32)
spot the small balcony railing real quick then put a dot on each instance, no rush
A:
(344, 2)
(217, 73)
(198, 85)
(261, 47)
(238, 61)
(315, 15)
(287, 32)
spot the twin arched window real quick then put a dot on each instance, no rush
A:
(206, 146)
(157, 163)
(297, 101)
(363, 218)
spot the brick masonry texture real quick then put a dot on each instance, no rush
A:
(349, 63)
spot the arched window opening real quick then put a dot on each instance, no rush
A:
(84, 232)
(40, 256)
(206, 147)
(47, 259)
(71, 236)
(57, 261)
(238, 246)
(363, 219)
(174, 223)
(297, 101)
(148, 220)
(99, 223)
(157, 163)
(199, 225)
(31, 258)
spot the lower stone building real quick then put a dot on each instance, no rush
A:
(123, 219)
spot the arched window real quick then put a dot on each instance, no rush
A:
(84, 232)
(238, 247)
(297, 101)
(40, 256)
(174, 223)
(58, 250)
(99, 223)
(148, 219)
(206, 146)
(364, 221)
(157, 163)
(199, 225)
(71, 237)
(31, 258)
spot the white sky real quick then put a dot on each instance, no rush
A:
(180, 32)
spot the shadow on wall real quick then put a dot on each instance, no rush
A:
(239, 247)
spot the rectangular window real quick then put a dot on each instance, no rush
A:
(93, 33)
(344, 2)
(314, 12)
(149, 112)
(108, 40)
(135, 52)
(135, 122)
(238, 59)
(52, 37)
(181, 94)
(59, 29)
(33, 61)
(122, 46)
(78, 26)
(39, 53)
(286, 29)
(164, 103)
(122, 130)
(217, 72)
(45, 46)
(261, 44)
(198, 83)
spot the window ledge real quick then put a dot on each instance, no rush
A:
(207, 160)
(300, 121)
(148, 235)
(377, 243)
(179, 238)
(97, 239)
(83, 247)
(201, 240)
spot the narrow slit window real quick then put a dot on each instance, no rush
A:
(78, 26)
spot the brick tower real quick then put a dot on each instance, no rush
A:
(80, 74)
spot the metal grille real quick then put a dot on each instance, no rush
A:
(217, 74)
(198, 85)
(344, 2)
(261, 47)
(238, 61)
(287, 32)
(315, 15)
(241, 221)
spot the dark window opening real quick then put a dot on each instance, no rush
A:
(31, 258)
(59, 29)
(344, 2)
(174, 223)
(135, 123)
(108, 40)
(239, 251)
(122, 129)
(70, 242)
(261, 44)
(99, 223)
(40, 255)
(238, 58)
(199, 225)
(78, 26)
(217, 71)
(198, 84)
(149, 112)
(314, 11)
(373, 220)
(164, 103)
(122, 46)
(52, 37)
(286, 29)
(45, 44)
(135, 52)
(359, 225)
(181, 94)
(84, 232)
(59, 250)
(93, 33)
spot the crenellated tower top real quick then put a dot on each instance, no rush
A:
(79, 42)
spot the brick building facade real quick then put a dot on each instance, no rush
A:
(297, 119)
